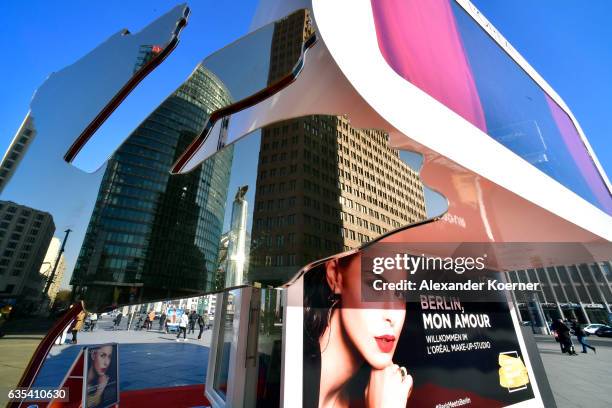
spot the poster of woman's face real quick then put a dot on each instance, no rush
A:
(102, 376)
(363, 349)
(349, 344)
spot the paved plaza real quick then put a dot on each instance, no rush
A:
(154, 359)
(584, 380)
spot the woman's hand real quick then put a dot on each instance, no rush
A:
(388, 388)
(102, 383)
(96, 398)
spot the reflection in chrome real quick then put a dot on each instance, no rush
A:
(253, 68)
(257, 210)
(155, 234)
(237, 240)
(53, 195)
(148, 55)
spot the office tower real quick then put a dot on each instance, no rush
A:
(237, 245)
(323, 186)
(16, 150)
(153, 235)
(25, 234)
(46, 268)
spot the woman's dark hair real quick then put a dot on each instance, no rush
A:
(317, 301)
(113, 361)
(318, 298)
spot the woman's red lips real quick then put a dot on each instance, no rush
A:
(385, 343)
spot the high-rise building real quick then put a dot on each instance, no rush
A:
(47, 267)
(323, 186)
(153, 235)
(287, 41)
(25, 234)
(237, 245)
(16, 150)
(582, 292)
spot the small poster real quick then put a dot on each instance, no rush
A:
(101, 376)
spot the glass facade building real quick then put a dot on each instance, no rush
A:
(581, 292)
(152, 234)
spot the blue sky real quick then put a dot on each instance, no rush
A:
(566, 41)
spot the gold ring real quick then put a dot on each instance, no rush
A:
(404, 373)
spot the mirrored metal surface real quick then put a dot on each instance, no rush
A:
(250, 70)
(41, 194)
(257, 210)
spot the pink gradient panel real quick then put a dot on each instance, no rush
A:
(580, 155)
(420, 41)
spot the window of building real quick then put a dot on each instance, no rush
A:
(9, 289)
(291, 260)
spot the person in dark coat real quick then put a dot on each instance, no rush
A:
(564, 336)
(193, 318)
(118, 320)
(581, 335)
(162, 321)
(201, 324)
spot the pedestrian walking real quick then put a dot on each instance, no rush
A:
(93, 319)
(193, 318)
(140, 324)
(564, 337)
(78, 325)
(118, 320)
(201, 324)
(183, 322)
(581, 335)
(162, 321)
(151, 319)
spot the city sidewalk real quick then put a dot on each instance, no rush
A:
(22, 336)
(153, 359)
(578, 381)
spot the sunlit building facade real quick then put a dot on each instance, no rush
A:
(25, 234)
(16, 150)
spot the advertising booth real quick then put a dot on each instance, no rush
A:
(329, 211)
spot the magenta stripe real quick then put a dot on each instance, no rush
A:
(420, 41)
